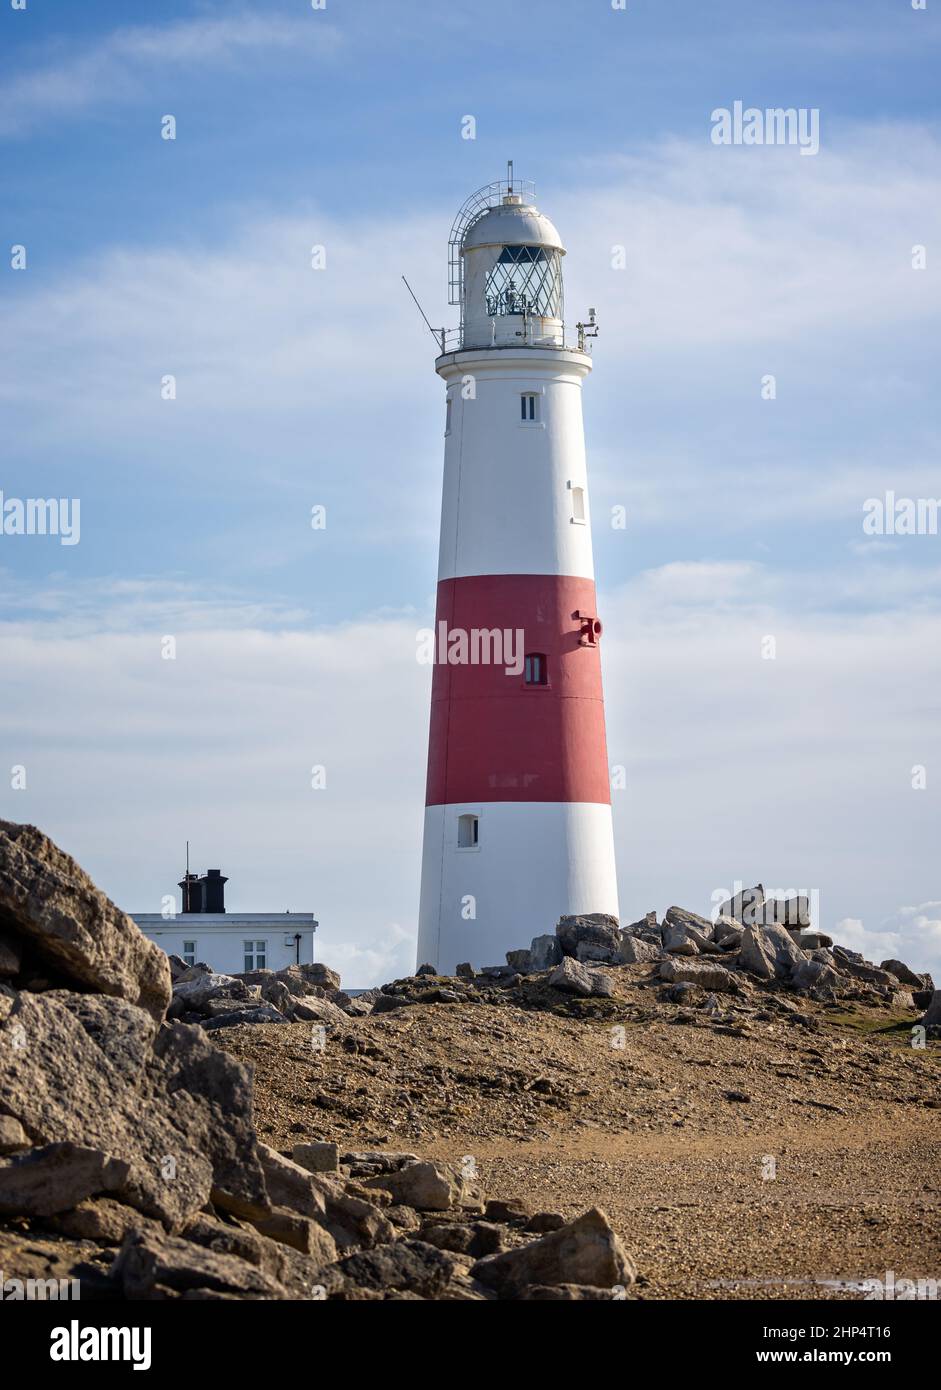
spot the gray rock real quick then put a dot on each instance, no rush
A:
(814, 975)
(686, 934)
(465, 971)
(636, 951)
(56, 1177)
(708, 974)
(852, 963)
(647, 928)
(317, 1157)
(591, 936)
(148, 1264)
(545, 952)
(427, 1187)
(316, 973)
(410, 1267)
(51, 907)
(786, 912)
(769, 953)
(521, 962)
(575, 978)
(745, 907)
(814, 941)
(727, 934)
(312, 1010)
(586, 1251)
(290, 1185)
(902, 973)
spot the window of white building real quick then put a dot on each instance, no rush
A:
(256, 955)
(529, 409)
(189, 952)
(578, 504)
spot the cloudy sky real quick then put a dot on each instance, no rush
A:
(342, 127)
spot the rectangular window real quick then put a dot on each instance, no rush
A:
(189, 952)
(468, 830)
(535, 671)
(447, 416)
(256, 955)
(578, 503)
(528, 407)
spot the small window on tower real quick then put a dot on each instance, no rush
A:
(535, 670)
(189, 952)
(528, 408)
(578, 504)
(447, 416)
(468, 829)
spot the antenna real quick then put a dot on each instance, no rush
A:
(437, 334)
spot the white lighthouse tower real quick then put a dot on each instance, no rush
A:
(518, 806)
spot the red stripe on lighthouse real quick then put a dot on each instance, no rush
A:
(495, 738)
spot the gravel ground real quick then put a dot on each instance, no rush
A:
(768, 1151)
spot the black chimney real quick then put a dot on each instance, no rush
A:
(192, 891)
(213, 886)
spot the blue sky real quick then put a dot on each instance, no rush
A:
(342, 127)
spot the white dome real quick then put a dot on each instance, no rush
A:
(512, 224)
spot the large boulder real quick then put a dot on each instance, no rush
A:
(707, 973)
(769, 952)
(906, 976)
(814, 976)
(427, 1187)
(88, 1069)
(586, 1251)
(590, 936)
(636, 951)
(745, 906)
(544, 952)
(573, 977)
(67, 931)
(687, 934)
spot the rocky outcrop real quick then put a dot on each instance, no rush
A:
(137, 1134)
(57, 928)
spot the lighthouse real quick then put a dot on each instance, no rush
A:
(518, 825)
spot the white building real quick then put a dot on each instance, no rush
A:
(229, 942)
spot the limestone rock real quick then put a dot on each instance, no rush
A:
(317, 1157)
(592, 936)
(56, 915)
(745, 906)
(586, 1251)
(709, 974)
(56, 1177)
(575, 978)
(903, 974)
(636, 951)
(425, 1186)
(769, 952)
(687, 934)
(150, 1265)
(545, 952)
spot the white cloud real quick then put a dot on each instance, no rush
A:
(113, 68)
(911, 934)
